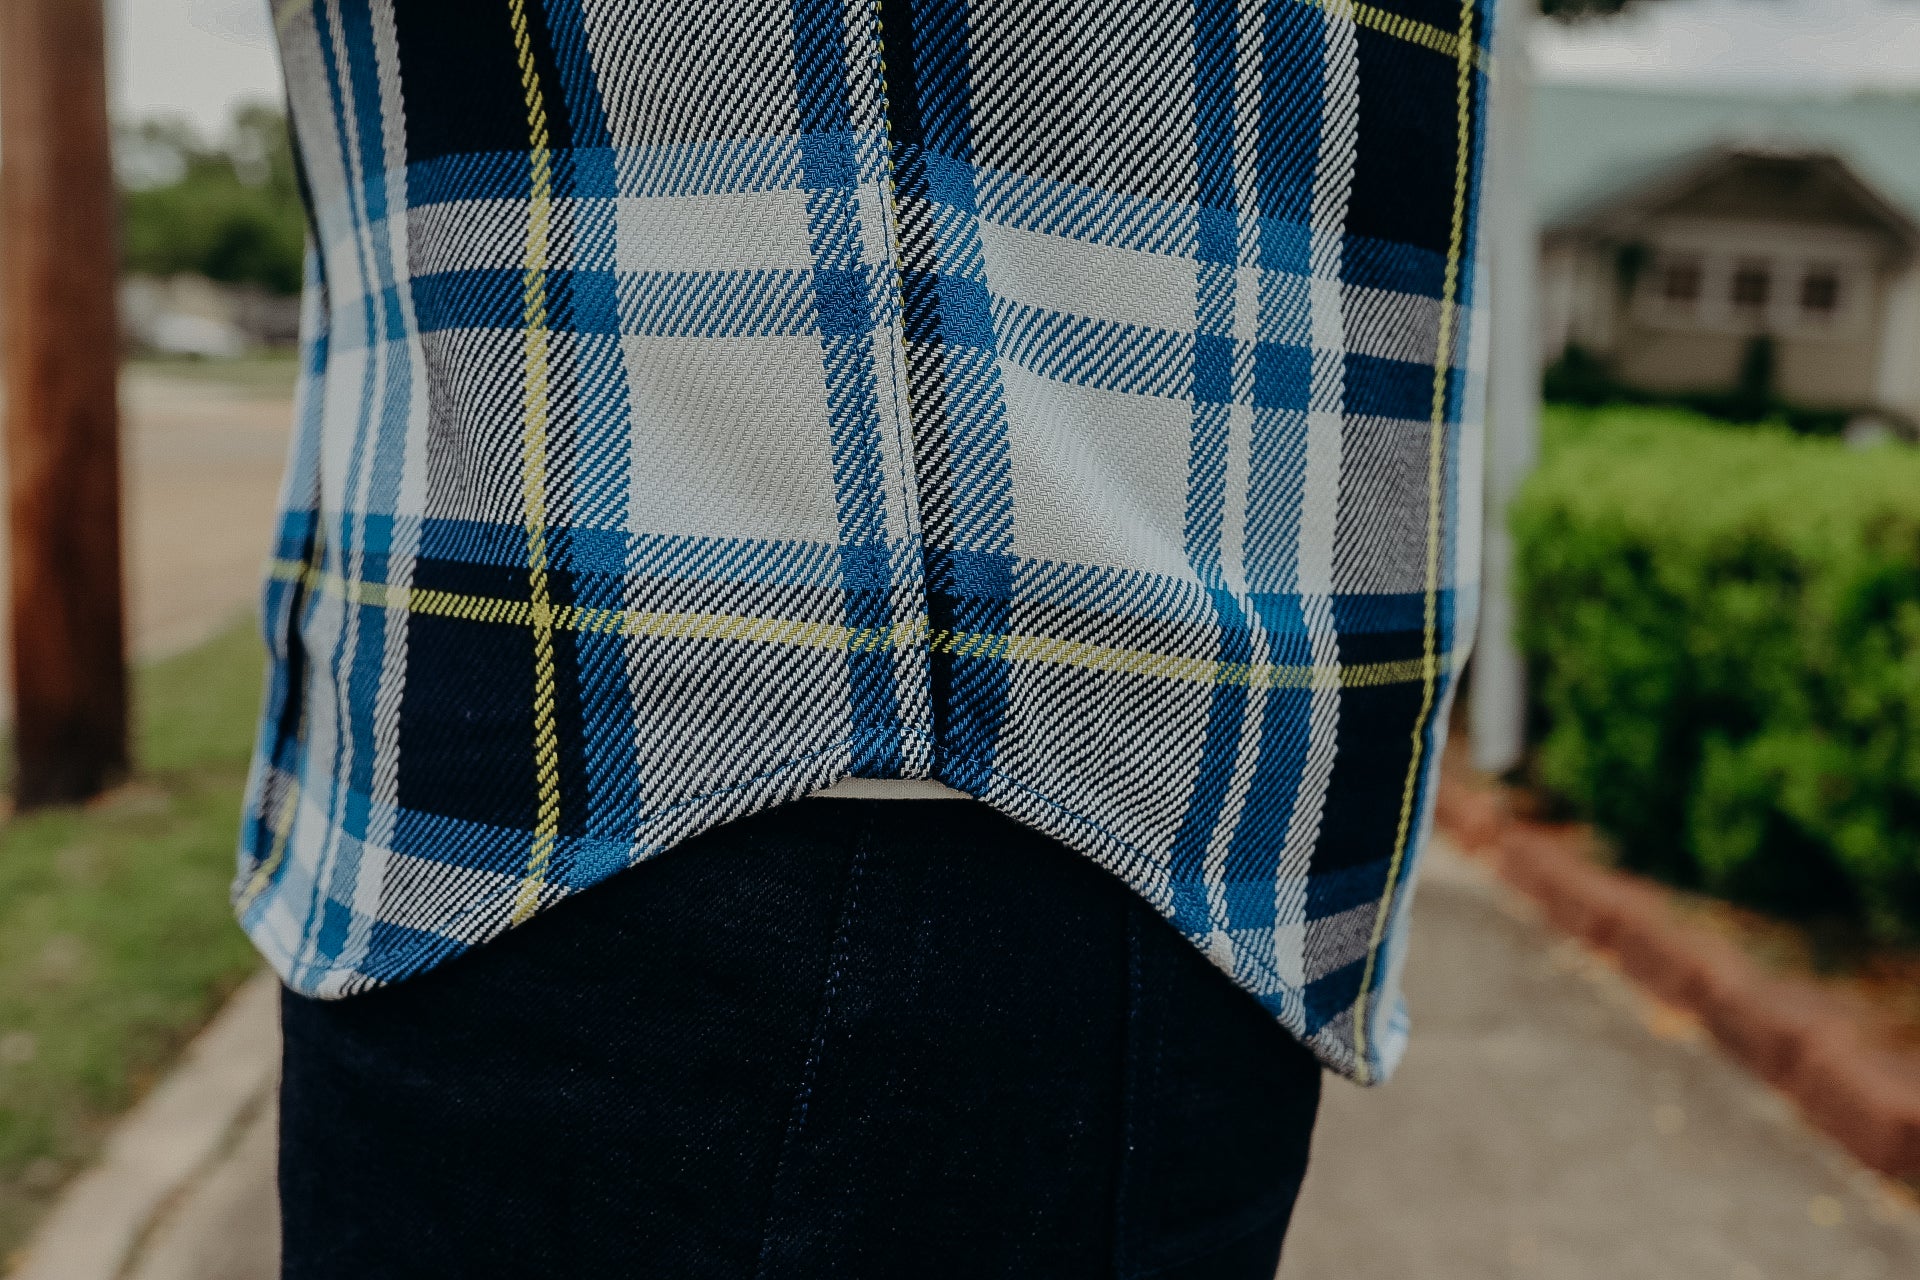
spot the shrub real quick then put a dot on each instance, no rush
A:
(230, 212)
(1725, 632)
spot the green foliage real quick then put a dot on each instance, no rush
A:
(1572, 10)
(1725, 632)
(230, 212)
(116, 942)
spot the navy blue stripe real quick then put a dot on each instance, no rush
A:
(385, 463)
(1213, 75)
(844, 308)
(962, 447)
(603, 777)
(349, 682)
(836, 302)
(1329, 997)
(1260, 836)
(1381, 388)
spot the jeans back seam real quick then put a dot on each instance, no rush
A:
(816, 1050)
(1144, 1037)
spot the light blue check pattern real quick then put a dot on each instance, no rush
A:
(704, 403)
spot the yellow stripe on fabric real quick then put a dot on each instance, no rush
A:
(286, 12)
(1436, 440)
(1427, 36)
(796, 634)
(546, 737)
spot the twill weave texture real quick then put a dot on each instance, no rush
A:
(1074, 401)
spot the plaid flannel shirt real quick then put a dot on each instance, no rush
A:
(1069, 400)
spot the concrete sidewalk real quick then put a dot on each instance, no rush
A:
(1548, 1123)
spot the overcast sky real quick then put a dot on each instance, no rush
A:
(1806, 44)
(191, 58)
(195, 58)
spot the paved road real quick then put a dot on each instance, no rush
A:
(202, 472)
(1547, 1124)
(203, 477)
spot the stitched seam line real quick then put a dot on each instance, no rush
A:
(810, 1069)
(890, 224)
(1145, 1134)
(1437, 433)
(1136, 986)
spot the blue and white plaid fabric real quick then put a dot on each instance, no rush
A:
(1069, 400)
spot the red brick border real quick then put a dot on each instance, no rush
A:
(1793, 1034)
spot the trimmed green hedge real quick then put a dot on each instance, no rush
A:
(1724, 627)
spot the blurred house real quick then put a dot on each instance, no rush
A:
(1692, 242)
(190, 315)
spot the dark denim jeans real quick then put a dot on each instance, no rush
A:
(843, 1038)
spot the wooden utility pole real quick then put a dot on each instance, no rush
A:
(59, 259)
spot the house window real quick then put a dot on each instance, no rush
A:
(1680, 280)
(1752, 286)
(1820, 294)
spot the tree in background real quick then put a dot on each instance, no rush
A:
(228, 211)
(1568, 9)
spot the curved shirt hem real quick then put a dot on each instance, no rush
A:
(825, 771)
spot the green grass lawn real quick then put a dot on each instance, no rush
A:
(267, 373)
(116, 943)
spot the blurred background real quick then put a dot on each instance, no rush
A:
(1700, 655)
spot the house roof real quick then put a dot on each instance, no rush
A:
(1592, 144)
(1816, 184)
